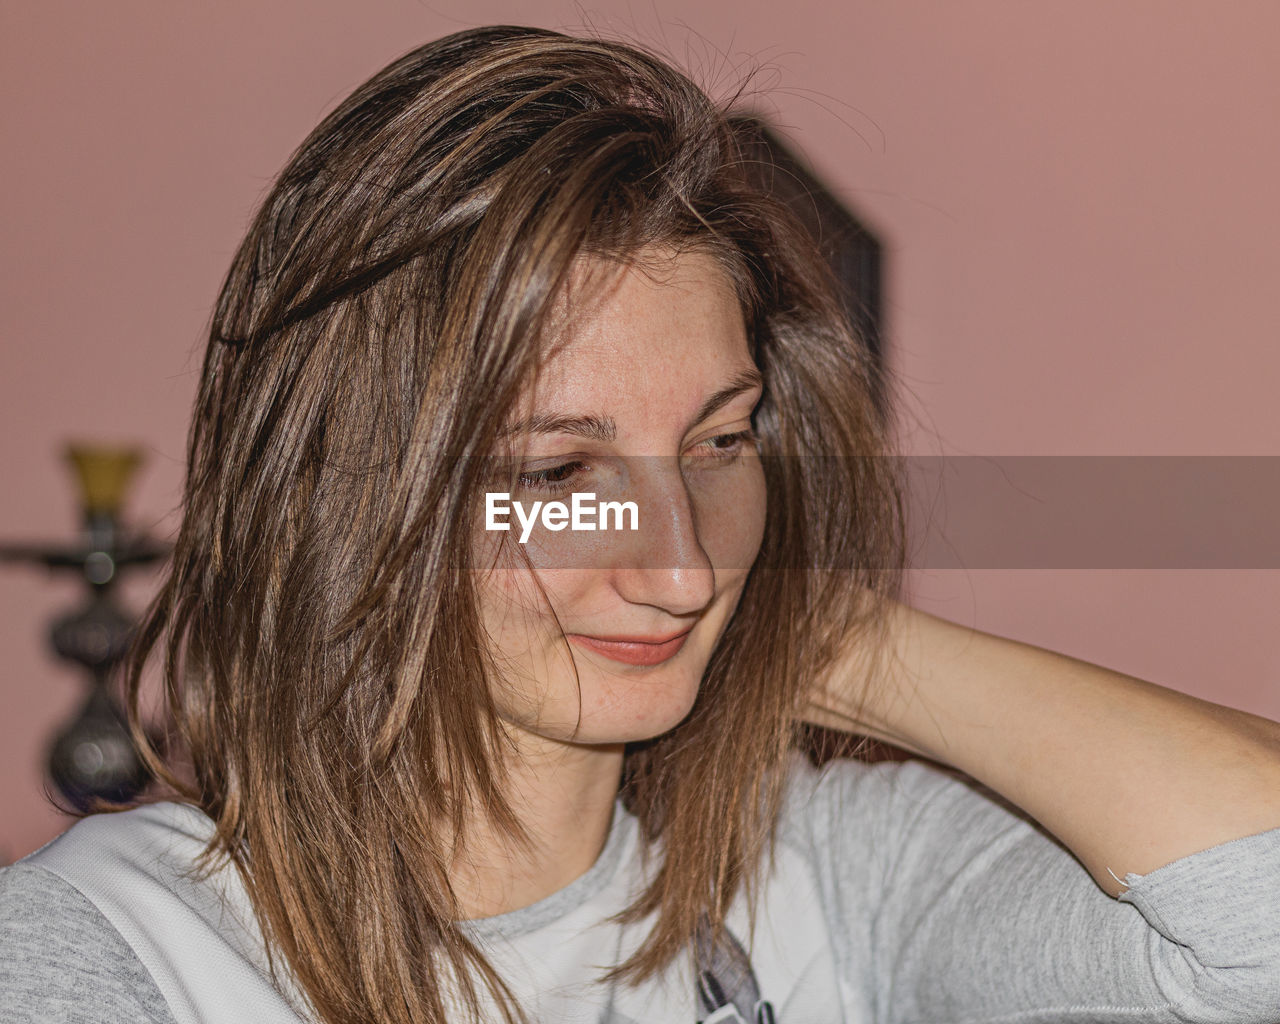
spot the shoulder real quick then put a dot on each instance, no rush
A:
(890, 816)
(884, 797)
(171, 833)
(192, 929)
(60, 958)
(138, 868)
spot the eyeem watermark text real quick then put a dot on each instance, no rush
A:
(581, 513)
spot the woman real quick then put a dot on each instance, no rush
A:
(425, 768)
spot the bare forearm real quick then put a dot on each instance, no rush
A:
(1129, 775)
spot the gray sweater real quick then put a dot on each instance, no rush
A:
(900, 894)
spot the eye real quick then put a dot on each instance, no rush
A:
(553, 479)
(727, 446)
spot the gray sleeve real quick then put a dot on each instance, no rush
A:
(972, 914)
(61, 960)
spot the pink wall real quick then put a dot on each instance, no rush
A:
(1079, 198)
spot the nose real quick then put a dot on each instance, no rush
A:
(665, 565)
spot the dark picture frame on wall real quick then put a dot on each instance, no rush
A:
(853, 251)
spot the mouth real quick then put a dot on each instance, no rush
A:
(634, 650)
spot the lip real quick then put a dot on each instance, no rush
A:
(634, 650)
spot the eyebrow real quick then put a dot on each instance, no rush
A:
(741, 382)
(595, 428)
(604, 429)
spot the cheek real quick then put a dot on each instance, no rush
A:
(524, 609)
(525, 643)
(521, 608)
(512, 606)
(730, 511)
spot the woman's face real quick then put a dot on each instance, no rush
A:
(646, 396)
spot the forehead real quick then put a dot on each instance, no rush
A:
(665, 324)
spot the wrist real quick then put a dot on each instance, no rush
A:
(869, 689)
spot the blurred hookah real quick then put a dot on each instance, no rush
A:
(93, 757)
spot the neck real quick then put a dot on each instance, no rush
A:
(563, 794)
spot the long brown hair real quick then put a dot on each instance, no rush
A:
(326, 677)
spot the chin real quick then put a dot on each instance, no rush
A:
(629, 706)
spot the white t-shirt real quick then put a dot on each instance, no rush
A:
(900, 893)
